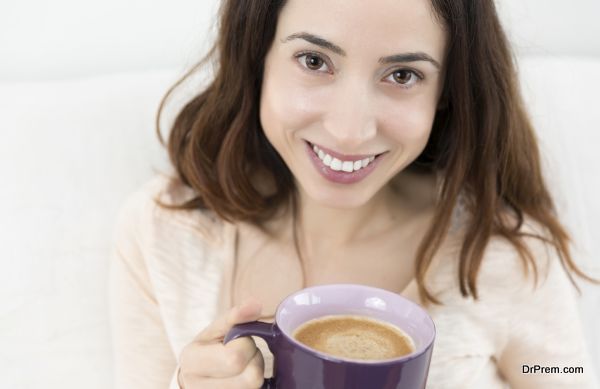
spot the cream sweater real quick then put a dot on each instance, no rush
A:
(170, 274)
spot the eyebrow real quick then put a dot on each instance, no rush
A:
(324, 43)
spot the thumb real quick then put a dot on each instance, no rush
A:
(249, 310)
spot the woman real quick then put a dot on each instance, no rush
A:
(382, 143)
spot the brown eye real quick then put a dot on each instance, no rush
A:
(313, 62)
(403, 76)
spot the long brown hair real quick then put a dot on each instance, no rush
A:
(482, 141)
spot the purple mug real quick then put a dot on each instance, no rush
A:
(298, 366)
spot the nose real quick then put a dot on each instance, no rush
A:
(351, 120)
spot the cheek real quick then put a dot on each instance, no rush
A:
(287, 105)
(409, 123)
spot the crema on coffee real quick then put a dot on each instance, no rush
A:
(354, 337)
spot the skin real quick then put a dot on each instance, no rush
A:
(352, 104)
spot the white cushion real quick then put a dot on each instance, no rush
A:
(71, 151)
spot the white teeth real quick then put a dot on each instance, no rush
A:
(348, 166)
(337, 165)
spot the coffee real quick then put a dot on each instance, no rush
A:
(354, 337)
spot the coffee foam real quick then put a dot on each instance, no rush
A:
(355, 337)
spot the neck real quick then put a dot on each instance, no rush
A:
(328, 228)
(320, 225)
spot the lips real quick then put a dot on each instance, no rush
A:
(341, 168)
(343, 157)
(346, 165)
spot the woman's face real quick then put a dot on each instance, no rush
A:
(350, 91)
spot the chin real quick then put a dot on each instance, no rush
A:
(337, 199)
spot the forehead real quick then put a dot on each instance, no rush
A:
(360, 26)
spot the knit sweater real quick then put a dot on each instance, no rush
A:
(171, 275)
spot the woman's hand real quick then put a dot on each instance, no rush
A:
(207, 363)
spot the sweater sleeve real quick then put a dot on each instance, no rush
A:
(544, 345)
(142, 353)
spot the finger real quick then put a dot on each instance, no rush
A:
(217, 360)
(216, 331)
(254, 374)
(250, 378)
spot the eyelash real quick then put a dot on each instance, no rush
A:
(419, 76)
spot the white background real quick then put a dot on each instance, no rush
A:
(67, 38)
(79, 85)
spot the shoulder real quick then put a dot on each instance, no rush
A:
(178, 256)
(511, 306)
(503, 269)
(141, 214)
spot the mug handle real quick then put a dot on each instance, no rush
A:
(260, 329)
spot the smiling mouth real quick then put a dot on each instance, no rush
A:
(340, 162)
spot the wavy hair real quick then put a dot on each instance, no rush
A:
(482, 141)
